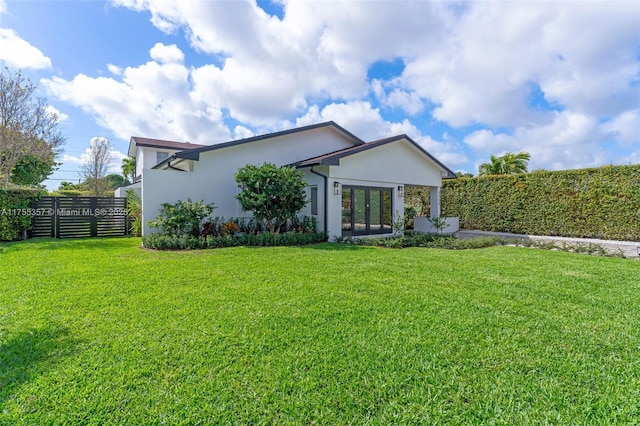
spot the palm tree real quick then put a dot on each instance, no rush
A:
(506, 164)
(129, 168)
(67, 186)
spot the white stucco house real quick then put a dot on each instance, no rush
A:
(148, 153)
(354, 187)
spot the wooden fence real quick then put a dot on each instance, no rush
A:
(77, 217)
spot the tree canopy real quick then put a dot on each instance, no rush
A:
(273, 194)
(506, 164)
(28, 129)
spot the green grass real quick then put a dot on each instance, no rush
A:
(103, 332)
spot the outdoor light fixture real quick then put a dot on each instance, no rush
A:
(400, 191)
(336, 188)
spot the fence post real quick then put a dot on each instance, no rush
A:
(56, 225)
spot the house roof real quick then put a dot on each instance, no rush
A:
(159, 143)
(194, 154)
(333, 158)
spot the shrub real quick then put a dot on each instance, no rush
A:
(423, 240)
(134, 210)
(274, 194)
(183, 242)
(15, 211)
(182, 218)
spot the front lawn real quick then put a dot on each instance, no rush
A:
(103, 332)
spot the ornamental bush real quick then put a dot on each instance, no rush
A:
(182, 218)
(273, 194)
(600, 202)
(14, 211)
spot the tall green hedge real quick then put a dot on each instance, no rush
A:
(15, 214)
(587, 203)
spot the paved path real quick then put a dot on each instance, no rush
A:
(629, 248)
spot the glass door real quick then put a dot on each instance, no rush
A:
(366, 210)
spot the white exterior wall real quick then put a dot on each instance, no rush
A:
(122, 191)
(147, 157)
(388, 166)
(313, 179)
(422, 224)
(212, 177)
(162, 186)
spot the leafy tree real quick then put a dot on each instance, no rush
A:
(129, 168)
(30, 170)
(506, 164)
(274, 194)
(27, 125)
(96, 166)
(116, 181)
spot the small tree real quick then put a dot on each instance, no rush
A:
(96, 165)
(129, 168)
(27, 127)
(273, 194)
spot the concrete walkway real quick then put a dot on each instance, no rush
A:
(629, 248)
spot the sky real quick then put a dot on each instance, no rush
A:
(464, 79)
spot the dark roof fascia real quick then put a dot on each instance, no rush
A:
(188, 154)
(165, 161)
(160, 143)
(333, 159)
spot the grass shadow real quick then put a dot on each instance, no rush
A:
(94, 243)
(28, 354)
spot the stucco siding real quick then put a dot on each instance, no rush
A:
(396, 162)
(162, 186)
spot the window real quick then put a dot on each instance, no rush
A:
(161, 156)
(313, 200)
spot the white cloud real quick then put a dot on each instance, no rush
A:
(625, 127)
(18, 53)
(493, 65)
(571, 140)
(166, 54)
(241, 132)
(153, 100)
(52, 110)
(114, 69)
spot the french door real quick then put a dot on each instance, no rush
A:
(366, 210)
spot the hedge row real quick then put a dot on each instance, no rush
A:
(587, 203)
(14, 211)
(184, 242)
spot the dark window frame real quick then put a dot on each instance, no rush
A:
(384, 229)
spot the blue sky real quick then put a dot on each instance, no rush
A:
(560, 80)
